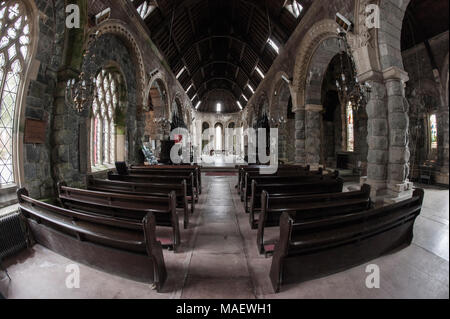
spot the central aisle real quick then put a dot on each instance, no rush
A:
(218, 267)
(218, 258)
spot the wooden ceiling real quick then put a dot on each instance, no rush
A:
(423, 20)
(220, 42)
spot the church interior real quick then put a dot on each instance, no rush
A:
(210, 149)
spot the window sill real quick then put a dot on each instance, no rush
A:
(8, 195)
(101, 169)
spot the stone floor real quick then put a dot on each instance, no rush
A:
(219, 259)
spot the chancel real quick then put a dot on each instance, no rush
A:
(210, 149)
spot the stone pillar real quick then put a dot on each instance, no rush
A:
(377, 137)
(313, 134)
(442, 177)
(398, 185)
(300, 154)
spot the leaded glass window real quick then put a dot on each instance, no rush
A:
(103, 128)
(433, 132)
(14, 49)
(350, 128)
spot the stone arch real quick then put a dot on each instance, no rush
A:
(262, 106)
(325, 51)
(157, 81)
(318, 32)
(392, 13)
(277, 83)
(280, 117)
(120, 29)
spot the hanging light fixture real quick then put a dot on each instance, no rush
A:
(349, 88)
(80, 91)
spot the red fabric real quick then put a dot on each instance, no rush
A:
(165, 241)
(269, 248)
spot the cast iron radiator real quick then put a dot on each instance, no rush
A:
(12, 235)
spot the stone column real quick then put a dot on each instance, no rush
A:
(398, 185)
(300, 154)
(313, 134)
(442, 177)
(377, 137)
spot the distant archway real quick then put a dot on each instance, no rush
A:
(218, 138)
(156, 115)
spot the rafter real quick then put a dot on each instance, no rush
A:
(220, 78)
(253, 50)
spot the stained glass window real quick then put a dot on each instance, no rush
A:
(14, 47)
(433, 132)
(103, 133)
(350, 128)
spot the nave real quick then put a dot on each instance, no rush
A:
(218, 258)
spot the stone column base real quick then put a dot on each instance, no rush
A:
(399, 192)
(442, 178)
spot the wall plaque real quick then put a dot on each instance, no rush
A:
(35, 131)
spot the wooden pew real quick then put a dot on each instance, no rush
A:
(125, 248)
(314, 248)
(281, 174)
(305, 186)
(145, 189)
(312, 206)
(159, 179)
(125, 207)
(255, 170)
(196, 169)
(169, 172)
(291, 178)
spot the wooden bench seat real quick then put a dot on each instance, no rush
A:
(128, 249)
(169, 172)
(242, 169)
(312, 206)
(125, 207)
(281, 177)
(299, 178)
(308, 249)
(159, 179)
(306, 186)
(196, 169)
(281, 171)
(146, 189)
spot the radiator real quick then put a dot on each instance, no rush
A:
(12, 235)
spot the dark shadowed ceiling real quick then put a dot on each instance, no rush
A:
(423, 20)
(220, 42)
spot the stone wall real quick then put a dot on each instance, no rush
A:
(39, 102)
(124, 41)
(71, 129)
(427, 94)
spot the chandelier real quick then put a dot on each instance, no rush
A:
(79, 93)
(277, 122)
(349, 88)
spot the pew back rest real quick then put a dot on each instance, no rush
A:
(284, 183)
(158, 179)
(313, 206)
(306, 235)
(104, 230)
(124, 206)
(155, 189)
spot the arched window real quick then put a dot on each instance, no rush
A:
(14, 52)
(103, 126)
(350, 128)
(219, 137)
(433, 132)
